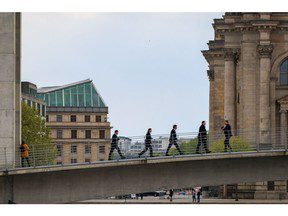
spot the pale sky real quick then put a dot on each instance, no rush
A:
(148, 67)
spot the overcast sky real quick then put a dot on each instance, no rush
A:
(148, 67)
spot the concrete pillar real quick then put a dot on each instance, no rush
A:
(10, 84)
(265, 64)
(283, 126)
(230, 88)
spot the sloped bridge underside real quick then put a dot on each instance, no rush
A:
(104, 179)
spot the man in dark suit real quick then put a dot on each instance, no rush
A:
(114, 145)
(202, 138)
(173, 140)
(228, 134)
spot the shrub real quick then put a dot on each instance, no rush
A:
(237, 143)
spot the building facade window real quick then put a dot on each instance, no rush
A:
(87, 160)
(59, 149)
(73, 148)
(98, 118)
(59, 162)
(88, 134)
(39, 108)
(270, 185)
(43, 110)
(73, 118)
(73, 134)
(87, 118)
(87, 149)
(102, 149)
(102, 134)
(59, 118)
(59, 134)
(73, 160)
(47, 118)
(284, 73)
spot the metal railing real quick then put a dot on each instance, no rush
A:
(242, 141)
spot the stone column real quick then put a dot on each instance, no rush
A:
(283, 126)
(10, 116)
(273, 132)
(230, 87)
(265, 65)
(210, 74)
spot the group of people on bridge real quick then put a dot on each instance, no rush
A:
(173, 140)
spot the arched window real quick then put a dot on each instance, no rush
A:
(284, 73)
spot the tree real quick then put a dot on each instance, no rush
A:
(237, 143)
(37, 136)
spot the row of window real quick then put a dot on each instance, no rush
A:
(74, 134)
(73, 149)
(271, 186)
(73, 118)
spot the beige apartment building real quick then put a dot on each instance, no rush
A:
(77, 116)
(248, 74)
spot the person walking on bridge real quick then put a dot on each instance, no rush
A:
(114, 145)
(24, 150)
(202, 138)
(173, 140)
(228, 134)
(148, 142)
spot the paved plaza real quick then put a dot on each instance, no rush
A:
(156, 200)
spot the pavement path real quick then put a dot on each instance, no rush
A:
(156, 200)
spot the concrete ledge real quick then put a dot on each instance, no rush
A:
(141, 161)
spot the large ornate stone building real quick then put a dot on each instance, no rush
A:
(248, 73)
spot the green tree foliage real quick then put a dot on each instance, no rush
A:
(37, 136)
(237, 143)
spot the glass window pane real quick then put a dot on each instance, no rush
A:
(74, 96)
(73, 99)
(59, 96)
(52, 99)
(88, 94)
(284, 66)
(81, 100)
(74, 90)
(67, 97)
(47, 97)
(95, 98)
(101, 103)
(80, 89)
(284, 79)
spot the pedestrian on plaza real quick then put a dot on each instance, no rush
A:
(199, 193)
(193, 195)
(228, 134)
(171, 195)
(114, 145)
(148, 142)
(24, 151)
(173, 141)
(202, 138)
